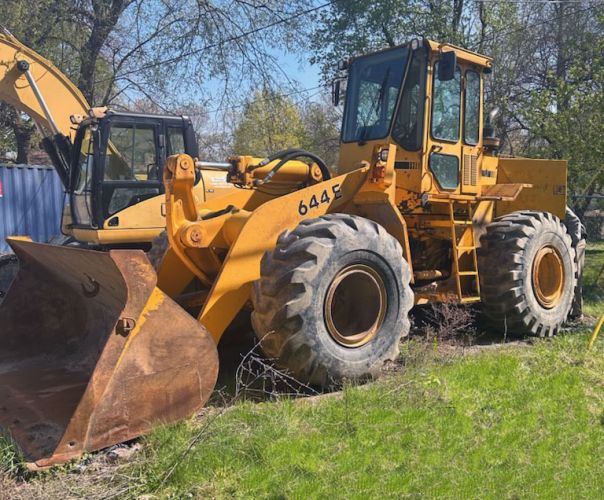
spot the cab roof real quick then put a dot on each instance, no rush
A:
(463, 54)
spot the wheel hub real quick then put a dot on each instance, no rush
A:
(355, 305)
(548, 277)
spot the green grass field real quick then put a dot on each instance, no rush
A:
(514, 422)
(518, 420)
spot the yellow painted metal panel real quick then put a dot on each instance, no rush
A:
(548, 178)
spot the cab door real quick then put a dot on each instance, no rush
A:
(445, 146)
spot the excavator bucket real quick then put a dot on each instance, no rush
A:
(93, 354)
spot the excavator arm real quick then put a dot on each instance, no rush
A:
(58, 97)
(35, 86)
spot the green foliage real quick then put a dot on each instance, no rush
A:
(268, 124)
(354, 28)
(10, 459)
(321, 130)
(7, 139)
(593, 279)
(565, 117)
(271, 122)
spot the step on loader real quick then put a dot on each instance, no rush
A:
(421, 210)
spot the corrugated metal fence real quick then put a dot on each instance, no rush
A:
(31, 203)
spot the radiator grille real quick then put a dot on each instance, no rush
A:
(470, 170)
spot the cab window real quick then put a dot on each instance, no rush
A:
(445, 169)
(446, 107)
(176, 141)
(408, 128)
(131, 154)
(471, 108)
(373, 88)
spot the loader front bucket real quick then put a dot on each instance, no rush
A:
(93, 354)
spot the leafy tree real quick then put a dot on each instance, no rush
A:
(269, 123)
(321, 130)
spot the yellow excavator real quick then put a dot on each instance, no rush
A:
(98, 348)
(110, 162)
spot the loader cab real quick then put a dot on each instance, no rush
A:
(119, 163)
(427, 99)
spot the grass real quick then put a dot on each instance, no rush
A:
(511, 421)
(508, 423)
(593, 277)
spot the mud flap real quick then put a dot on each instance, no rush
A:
(93, 354)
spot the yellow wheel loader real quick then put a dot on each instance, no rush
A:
(422, 210)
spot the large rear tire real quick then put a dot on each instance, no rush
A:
(333, 299)
(527, 273)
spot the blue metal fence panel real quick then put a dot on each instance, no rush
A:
(31, 203)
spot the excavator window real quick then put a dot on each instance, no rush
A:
(373, 88)
(133, 156)
(176, 141)
(132, 167)
(81, 201)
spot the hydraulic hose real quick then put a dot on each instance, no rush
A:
(288, 155)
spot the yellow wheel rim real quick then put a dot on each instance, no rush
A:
(355, 305)
(548, 277)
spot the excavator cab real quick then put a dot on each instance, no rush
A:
(117, 163)
(109, 162)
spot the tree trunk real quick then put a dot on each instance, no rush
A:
(23, 132)
(105, 15)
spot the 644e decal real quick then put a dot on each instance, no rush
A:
(316, 200)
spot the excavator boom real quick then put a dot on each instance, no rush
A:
(60, 99)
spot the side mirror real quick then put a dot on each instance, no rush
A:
(335, 92)
(493, 114)
(338, 90)
(446, 66)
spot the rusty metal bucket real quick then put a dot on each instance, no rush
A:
(93, 354)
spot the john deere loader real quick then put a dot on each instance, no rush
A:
(97, 348)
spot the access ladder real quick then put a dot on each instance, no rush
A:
(459, 249)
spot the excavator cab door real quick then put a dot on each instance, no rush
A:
(82, 174)
(445, 131)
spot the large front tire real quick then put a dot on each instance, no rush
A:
(333, 299)
(527, 273)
